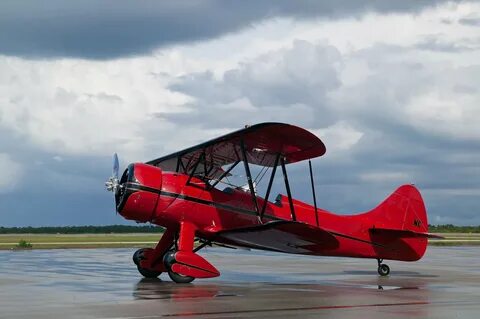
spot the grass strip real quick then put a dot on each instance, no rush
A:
(52, 241)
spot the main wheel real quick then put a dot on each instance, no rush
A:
(138, 256)
(180, 279)
(383, 270)
(169, 260)
(147, 273)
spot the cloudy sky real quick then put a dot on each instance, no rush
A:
(391, 87)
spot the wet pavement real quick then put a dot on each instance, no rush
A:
(104, 283)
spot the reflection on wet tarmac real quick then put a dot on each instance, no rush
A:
(158, 289)
(102, 283)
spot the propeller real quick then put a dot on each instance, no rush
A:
(116, 166)
(113, 183)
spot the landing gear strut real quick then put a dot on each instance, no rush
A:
(146, 258)
(175, 254)
(383, 269)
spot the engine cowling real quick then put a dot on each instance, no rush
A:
(137, 196)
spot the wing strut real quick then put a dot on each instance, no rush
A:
(179, 159)
(225, 173)
(313, 191)
(272, 176)
(200, 158)
(249, 177)
(180, 165)
(287, 186)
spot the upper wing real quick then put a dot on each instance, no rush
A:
(262, 144)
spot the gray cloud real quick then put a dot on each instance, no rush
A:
(436, 43)
(53, 192)
(465, 89)
(287, 85)
(114, 28)
(31, 209)
(470, 21)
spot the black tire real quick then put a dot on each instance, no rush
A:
(180, 279)
(148, 273)
(169, 260)
(137, 257)
(383, 270)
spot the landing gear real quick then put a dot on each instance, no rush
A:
(147, 273)
(383, 269)
(169, 260)
(175, 254)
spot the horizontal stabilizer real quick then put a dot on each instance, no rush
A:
(282, 236)
(403, 233)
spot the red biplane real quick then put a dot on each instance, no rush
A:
(181, 193)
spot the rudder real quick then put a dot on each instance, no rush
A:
(400, 223)
(403, 210)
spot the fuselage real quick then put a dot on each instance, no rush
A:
(168, 198)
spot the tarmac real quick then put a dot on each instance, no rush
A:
(104, 283)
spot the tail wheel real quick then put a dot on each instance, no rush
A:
(383, 270)
(147, 273)
(169, 260)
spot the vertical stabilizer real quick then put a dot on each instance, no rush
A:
(400, 223)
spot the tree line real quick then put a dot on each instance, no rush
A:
(449, 228)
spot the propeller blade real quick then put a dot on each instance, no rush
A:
(116, 166)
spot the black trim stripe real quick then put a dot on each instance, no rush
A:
(196, 267)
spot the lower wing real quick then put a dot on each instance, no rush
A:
(282, 236)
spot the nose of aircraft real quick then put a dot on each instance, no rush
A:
(123, 190)
(116, 185)
(137, 192)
